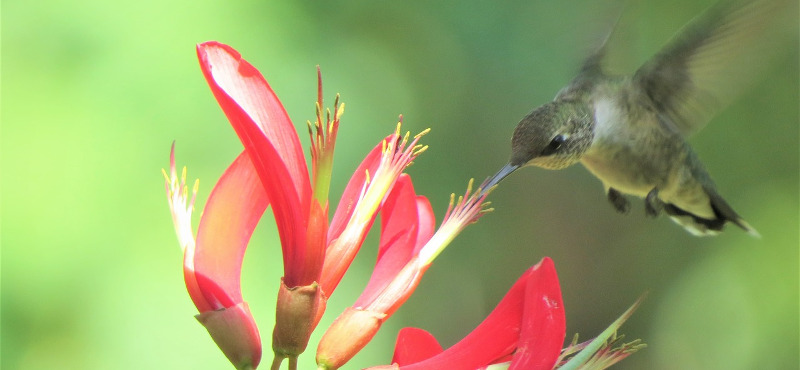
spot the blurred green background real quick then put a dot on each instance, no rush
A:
(94, 92)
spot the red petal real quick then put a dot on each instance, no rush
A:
(315, 244)
(399, 230)
(337, 260)
(229, 218)
(495, 337)
(248, 95)
(414, 345)
(399, 217)
(427, 222)
(269, 138)
(352, 191)
(191, 283)
(543, 322)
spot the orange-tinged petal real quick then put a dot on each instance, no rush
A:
(348, 334)
(229, 218)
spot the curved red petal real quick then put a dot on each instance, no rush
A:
(399, 225)
(494, 338)
(349, 199)
(231, 214)
(195, 293)
(414, 345)
(543, 321)
(254, 102)
(315, 243)
(426, 222)
(399, 217)
(269, 138)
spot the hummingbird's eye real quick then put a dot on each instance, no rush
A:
(554, 145)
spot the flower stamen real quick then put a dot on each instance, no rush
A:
(397, 153)
(467, 210)
(323, 141)
(179, 203)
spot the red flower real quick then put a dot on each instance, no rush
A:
(525, 331)
(528, 325)
(408, 246)
(273, 167)
(212, 265)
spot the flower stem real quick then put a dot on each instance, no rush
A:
(276, 362)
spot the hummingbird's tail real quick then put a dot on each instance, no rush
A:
(701, 226)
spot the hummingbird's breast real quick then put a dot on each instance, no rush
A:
(630, 152)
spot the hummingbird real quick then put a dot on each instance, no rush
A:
(630, 131)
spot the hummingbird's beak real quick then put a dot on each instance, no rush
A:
(500, 175)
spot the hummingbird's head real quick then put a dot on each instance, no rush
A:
(553, 136)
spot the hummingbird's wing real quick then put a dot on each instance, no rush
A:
(592, 70)
(711, 59)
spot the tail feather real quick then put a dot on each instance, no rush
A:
(701, 226)
(724, 211)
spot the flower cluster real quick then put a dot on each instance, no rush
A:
(526, 329)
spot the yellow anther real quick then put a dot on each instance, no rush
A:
(397, 130)
(310, 128)
(196, 186)
(366, 180)
(166, 177)
(419, 135)
(405, 137)
(183, 175)
(340, 109)
(421, 149)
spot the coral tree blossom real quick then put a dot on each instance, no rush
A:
(212, 263)
(273, 171)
